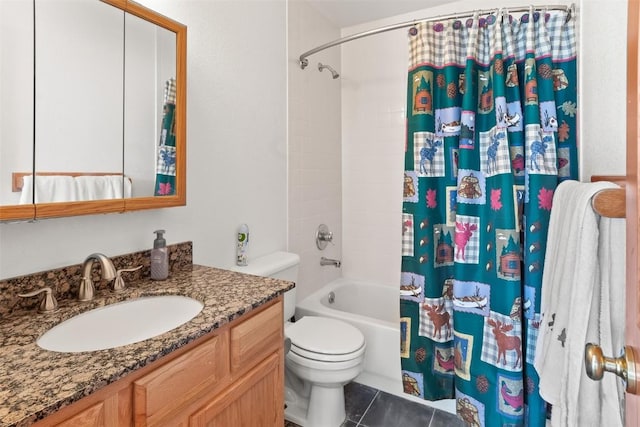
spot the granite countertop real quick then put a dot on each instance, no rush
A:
(35, 382)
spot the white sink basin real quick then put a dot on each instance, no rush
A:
(120, 324)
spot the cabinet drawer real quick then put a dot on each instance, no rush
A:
(257, 337)
(160, 393)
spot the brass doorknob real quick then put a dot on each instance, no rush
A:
(596, 364)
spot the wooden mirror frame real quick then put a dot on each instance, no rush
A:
(65, 209)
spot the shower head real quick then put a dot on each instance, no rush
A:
(334, 73)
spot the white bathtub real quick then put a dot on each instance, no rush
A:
(374, 310)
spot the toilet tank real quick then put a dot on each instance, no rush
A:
(278, 265)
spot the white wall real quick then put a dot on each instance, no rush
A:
(314, 146)
(373, 128)
(603, 76)
(236, 164)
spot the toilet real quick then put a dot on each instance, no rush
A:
(324, 354)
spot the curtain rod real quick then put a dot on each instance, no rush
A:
(304, 61)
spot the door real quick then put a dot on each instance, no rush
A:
(632, 325)
(632, 334)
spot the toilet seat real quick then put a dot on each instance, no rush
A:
(324, 365)
(322, 357)
(325, 339)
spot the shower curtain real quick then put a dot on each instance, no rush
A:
(491, 131)
(166, 152)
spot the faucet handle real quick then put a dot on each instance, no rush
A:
(323, 236)
(118, 283)
(86, 290)
(48, 303)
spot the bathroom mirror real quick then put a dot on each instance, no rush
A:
(16, 102)
(98, 124)
(149, 51)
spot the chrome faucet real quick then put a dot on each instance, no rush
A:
(328, 261)
(108, 272)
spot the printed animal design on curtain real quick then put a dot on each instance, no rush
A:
(428, 153)
(560, 80)
(406, 226)
(550, 121)
(445, 363)
(516, 402)
(512, 76)
(410, 385)
(505, 342)
(531, 84)
(492, 152)
(447, 289)
(409, 187)
(538, 149)
(470, 187)
(450, 127)
(168, 157)
(440, 317)
(464, 231)
(504, 118)
(458, 360)
(517, 163)
(468, 412)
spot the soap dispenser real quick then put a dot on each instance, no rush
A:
(159, 257)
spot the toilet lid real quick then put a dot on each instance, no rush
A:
(324, 336)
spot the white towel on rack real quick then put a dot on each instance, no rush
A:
(580, 275)
(26, 194)
(102, 187)
(48, 189)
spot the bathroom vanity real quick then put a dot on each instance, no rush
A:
(224, 367)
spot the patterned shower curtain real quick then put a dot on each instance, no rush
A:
(166, 152)
(491, 131)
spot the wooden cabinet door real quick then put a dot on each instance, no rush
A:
(254, 400)
(109, 407)
(162, 394)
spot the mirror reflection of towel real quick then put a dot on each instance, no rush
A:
(47, 189)
(63, 188)
(102, 187)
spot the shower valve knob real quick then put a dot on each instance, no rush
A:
(323, 236)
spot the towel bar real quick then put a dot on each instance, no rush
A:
(610, 203)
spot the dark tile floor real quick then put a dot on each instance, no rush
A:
(368, 407)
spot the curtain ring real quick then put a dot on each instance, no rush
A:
(506, 14)
(570, 12)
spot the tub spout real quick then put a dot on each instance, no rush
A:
(328, 261)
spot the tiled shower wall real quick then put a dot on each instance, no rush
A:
(314, 146)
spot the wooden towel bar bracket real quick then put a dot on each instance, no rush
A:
(611, 202)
